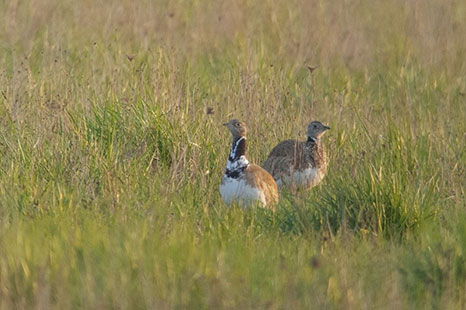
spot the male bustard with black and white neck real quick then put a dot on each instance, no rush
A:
(243, 182)
(299, 165)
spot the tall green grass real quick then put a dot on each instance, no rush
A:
(112, 151)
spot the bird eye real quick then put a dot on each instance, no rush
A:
(237, 125)
(315, 126)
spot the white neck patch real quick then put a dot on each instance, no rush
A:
(238, 163)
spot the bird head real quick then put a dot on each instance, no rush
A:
(236, 127)
(316, 129)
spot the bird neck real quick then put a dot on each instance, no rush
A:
(312, 140)
(317, 152)
(238, 148)
(237, 160)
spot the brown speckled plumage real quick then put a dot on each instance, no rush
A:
(292, 156)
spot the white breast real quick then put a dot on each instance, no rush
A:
(237, 190)
(306, 178)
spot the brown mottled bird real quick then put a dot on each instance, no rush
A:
(305, 161)
(244, 182)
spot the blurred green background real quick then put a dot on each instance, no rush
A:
(112, 151)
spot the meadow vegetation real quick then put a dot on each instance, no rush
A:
(112, 151)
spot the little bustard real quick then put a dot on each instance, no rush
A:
(299, 165)
(244, 182)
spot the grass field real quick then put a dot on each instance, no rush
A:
(110, 164)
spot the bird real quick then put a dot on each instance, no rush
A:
(243, 182)
(305, 161)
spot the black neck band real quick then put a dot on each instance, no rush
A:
(235, 173)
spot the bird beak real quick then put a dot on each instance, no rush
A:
(225, 124)
(326, 127)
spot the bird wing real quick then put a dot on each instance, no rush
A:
(284, 158)
(258, 177)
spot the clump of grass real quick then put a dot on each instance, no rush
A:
(387, 190)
